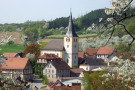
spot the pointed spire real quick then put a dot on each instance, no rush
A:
(71, 32)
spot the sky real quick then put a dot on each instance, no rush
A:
(19, 11)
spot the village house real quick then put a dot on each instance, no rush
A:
(54, 69)
(15, 67)
(105, 53)
(12, 55)
(92, 63)
(76, 72)
(48, 57)
(54, 83)
(66, 49)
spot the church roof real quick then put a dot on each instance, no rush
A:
(54, 45)
(71, 32)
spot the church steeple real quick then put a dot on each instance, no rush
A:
(71, 32)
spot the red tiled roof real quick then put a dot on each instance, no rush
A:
(91, 52)
(67, 88)
(10, 55)
(80, 54)
(105, 50)
(49, 56)
(15, 63)
(78, 70)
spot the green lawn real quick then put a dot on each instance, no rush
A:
(11, 48)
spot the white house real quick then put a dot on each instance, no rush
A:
(54, 69)
(105, 52)
(66, 49)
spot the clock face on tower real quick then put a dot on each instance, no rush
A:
(68, 39)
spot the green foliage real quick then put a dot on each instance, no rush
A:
(86, 81)
(10, 42)
(43, 87)
(123, 47)
(131, 26)
(43, 44)
(45, 80)
(38, 69)
(11, 48)
(32, 34)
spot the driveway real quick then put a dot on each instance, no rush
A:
(37, 83)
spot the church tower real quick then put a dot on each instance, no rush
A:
(71, 45)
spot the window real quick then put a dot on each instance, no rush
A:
(50, 66)
(86, 68)
(75, 46)
(49, 70)
(76, 40)
(52, 71)
(74, 61)
(67, 46)
(67, 61)
(75, 57)
(68, 39)
(52, 76)
(46, 70)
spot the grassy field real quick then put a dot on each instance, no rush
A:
(11, 48)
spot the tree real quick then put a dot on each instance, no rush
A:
(32, 34)
(10, 42)
(45, 80)
(32, 49)
(124, 77)
(119, 13)
(131, 26)
(86, 81)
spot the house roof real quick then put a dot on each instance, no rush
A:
(78, 70)
(71, 32)
(49, 57)
(67, 88)
(91, 52)
(70, 78)
(105, 50)
(54, 83)
(59, 65)
(10, 55)
(57, 45)
(81, 54)
(15, 63)
(93, 61)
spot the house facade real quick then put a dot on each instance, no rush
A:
(66, 49)
(105, 52)
(15, 67)
(47, 57)
(55, 69)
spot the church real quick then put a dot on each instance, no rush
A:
(66, 49)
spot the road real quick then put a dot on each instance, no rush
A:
(37, 83)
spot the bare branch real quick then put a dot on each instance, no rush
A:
(128, 33)
(111, 35)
